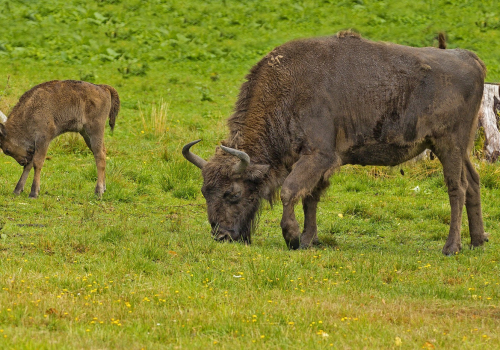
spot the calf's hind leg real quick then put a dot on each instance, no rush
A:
(95, 141)
(20, 184)
(303, 179)
(473, 206)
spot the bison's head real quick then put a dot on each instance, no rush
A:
(233, 188)
(21, 151)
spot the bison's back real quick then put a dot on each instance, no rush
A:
(362, 95)
(68, 104)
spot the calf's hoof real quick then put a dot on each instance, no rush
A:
(98, 192)
(33, 195)
(17, 192)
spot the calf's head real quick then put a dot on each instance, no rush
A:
(20, 149)
(233, 188)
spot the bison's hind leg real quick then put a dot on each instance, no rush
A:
(455, 176)
(22, 181)
(473, 206)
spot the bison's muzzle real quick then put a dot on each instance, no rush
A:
(221, 234)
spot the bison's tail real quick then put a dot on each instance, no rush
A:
(115, 105)
(442, 40)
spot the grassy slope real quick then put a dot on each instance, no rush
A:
(138, 270)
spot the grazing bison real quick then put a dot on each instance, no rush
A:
(311, 106)
(51, 109)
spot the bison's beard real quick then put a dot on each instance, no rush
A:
(249, 223)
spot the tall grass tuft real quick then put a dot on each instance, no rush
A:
(156, 123)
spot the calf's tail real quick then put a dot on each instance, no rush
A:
(115, 105)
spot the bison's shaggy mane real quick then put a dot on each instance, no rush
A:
(239, 118)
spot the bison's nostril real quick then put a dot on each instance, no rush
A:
(221, 236)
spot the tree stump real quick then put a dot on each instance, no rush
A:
(488, 119)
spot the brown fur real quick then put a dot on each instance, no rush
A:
(51, 109)
(345, 100)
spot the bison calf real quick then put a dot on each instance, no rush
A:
(51, 109)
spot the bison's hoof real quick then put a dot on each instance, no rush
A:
(305, 246)
(451, 249)
(313, 243)
(477, 242)
(17, 193)
(293, 244)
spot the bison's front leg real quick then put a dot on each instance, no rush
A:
(289, 224)
(306, 173)
(310, 233)
(20, 184)
(310, 205)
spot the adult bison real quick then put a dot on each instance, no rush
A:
(311, 106)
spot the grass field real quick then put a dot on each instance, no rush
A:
(138, 270)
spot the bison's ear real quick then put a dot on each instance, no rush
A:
(2, 131)
(257, 172)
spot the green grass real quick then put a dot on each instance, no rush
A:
(138, 269)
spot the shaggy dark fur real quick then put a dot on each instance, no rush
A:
(51, 109)
(312, 105)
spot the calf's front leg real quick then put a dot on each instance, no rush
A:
(22, 181)
(38, 160)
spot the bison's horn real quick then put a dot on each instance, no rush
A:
(244, 158)
(193, 158)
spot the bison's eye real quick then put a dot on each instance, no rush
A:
(232, 197)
